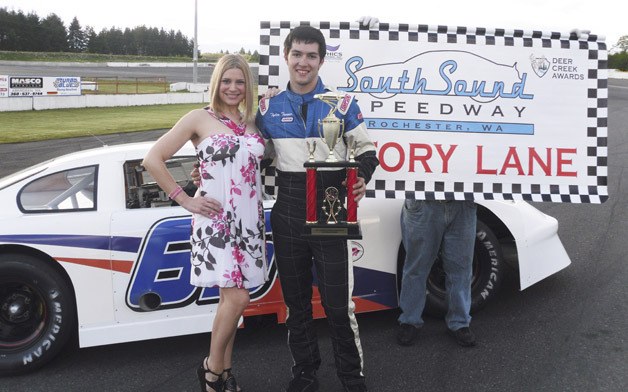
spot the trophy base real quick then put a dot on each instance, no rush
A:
(349, 231)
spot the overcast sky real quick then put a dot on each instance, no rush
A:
(231, 25)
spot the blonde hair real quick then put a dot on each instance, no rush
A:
(227, 62)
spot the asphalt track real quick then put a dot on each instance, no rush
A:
(565, 333)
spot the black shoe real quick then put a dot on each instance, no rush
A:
(305, 381)
(230, 383)
(463, 336)
(406, 334)
(217, 385)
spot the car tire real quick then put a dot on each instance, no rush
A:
(488, 272)
(37, 313)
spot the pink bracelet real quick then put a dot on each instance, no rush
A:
(175, 192)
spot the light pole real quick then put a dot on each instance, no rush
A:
(195, 55)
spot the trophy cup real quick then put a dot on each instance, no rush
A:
(328, 217)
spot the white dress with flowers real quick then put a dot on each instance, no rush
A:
(228, 249)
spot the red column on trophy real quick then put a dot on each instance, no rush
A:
(310, 193)
(352, 206)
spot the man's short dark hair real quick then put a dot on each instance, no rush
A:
(308, 35)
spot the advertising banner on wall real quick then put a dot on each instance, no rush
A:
(37, 86)
(468, 113)
(4, 86)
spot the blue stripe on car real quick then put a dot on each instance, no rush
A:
(122, 244)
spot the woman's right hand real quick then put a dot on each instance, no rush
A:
(202, 205)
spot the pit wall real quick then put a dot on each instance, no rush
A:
(90, 101)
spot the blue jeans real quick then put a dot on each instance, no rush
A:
(426, 228)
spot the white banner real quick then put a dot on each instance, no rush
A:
(4, 86)
(37, 86)
(460, 113)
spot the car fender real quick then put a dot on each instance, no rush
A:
(540, 252)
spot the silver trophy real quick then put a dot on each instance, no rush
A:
(330, 129)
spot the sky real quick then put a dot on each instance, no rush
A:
(233, 25)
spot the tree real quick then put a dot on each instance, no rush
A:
(28, 33)
(114, 39)
(129, 44)
(97, 42)
(76, 37)
(9, 30)
(622, 44)
(32, 33)
(254, 57)
(19, 31)
(141, 39)
(91, 40)
(54, 36)
(619, 59)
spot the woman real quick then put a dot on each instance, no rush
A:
(228, 248)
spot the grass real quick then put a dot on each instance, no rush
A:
(28, 126)
(148, 85)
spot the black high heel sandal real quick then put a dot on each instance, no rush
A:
(218, 385)
(230, 384)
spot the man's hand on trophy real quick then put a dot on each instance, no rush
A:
(359, 188)
(368, 21)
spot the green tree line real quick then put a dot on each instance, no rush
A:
(30, 33)
(619, 59)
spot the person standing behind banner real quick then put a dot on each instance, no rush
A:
(228, 248)
(287, 122)
(427, 228)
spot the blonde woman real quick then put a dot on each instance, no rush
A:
(227, 227)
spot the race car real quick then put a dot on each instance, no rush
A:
(89, 243)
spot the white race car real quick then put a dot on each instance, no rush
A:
(89, 242)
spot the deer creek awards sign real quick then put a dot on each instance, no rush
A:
(468, 113)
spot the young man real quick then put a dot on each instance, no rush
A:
(288, 122)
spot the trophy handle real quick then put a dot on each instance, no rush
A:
(311, 149)
(352, 149)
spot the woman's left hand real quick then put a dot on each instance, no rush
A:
(202, 205)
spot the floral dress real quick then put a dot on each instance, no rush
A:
(228, 249)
